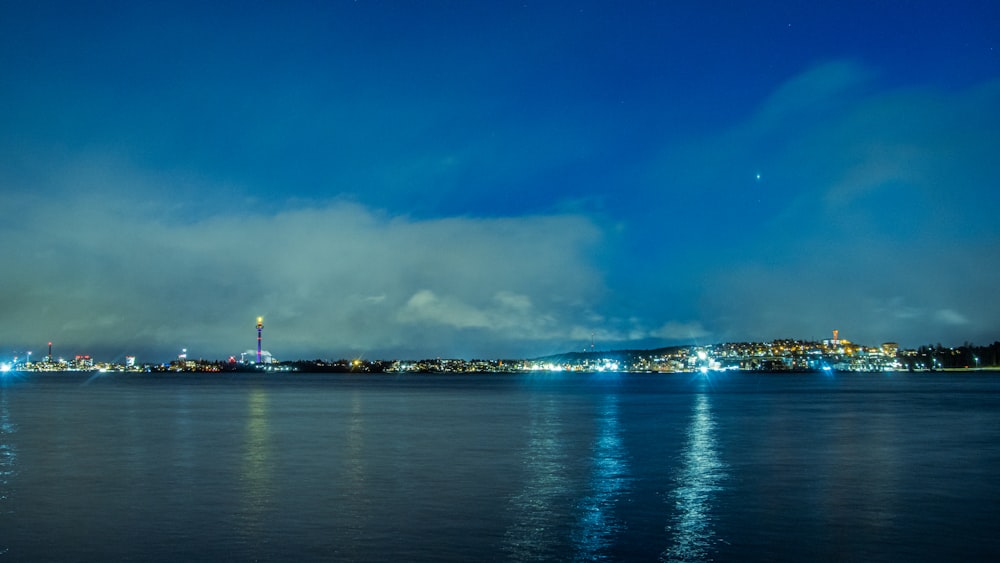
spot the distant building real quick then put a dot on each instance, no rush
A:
(83, 362)
(250, 357)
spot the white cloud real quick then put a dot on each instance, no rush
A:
(329, 280)
(426, 307)
(514, 301)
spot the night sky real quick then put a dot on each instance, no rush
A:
(495, 179)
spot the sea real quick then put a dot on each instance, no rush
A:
(484, 467)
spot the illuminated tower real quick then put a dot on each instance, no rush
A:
(50, 352)
(835, 339)
(260, 328)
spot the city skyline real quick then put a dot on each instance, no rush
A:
(259, 356)
(453, 179)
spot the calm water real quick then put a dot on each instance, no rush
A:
(507, 468)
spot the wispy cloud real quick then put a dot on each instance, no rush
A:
(683, 332)
(951, 317)
(882, 195)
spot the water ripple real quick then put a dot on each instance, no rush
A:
(537, 510)
(599, 527)
(8, 459)
(697, 483)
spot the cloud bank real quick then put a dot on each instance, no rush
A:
(334, 280)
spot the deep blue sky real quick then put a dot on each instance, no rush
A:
(496, 179)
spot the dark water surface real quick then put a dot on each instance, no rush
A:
(878, 467)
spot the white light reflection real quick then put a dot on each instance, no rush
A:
(257, 462)
(609, 481)
(8, 458)
(536, 509)
(698, 480)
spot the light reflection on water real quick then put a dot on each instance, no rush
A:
(769, 468)
(599, 527)
(354, 476)
(257, 466)
(698, 480)
(536, 509)
(8, 458)
(354, 470)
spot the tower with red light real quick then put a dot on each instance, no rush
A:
(260, 329)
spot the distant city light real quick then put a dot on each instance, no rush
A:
(828, 356)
